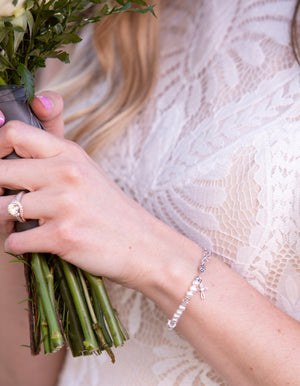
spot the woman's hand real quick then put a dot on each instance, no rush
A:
(83, 216)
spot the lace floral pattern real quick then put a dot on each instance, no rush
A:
(214, 155)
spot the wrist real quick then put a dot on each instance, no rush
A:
(173, 263)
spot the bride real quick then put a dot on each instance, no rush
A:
(190, 130)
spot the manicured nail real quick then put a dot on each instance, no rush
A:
(2, 119)
(45, 101)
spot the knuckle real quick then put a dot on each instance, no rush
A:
(71, 172)
(65, 234)
(12, 132)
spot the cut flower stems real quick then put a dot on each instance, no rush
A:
(66, 305)
(69, 306)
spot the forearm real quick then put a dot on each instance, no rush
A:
(235, 329)
(17, 365)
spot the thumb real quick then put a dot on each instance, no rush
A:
(48, 107)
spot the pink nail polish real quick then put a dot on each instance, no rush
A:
(2, 119)
(45, 101)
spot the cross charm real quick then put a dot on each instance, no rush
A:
(202, 289)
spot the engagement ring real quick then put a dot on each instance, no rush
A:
(15, 208)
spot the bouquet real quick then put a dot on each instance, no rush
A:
(66, 305)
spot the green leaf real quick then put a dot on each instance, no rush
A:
(144, 10)
(25, 300)
(36, 52)
(3, 67)
(10, 45)
(30, 21)
(4, 63)
(70, 38)
(29, 4)
(27, 80)
(61, 55)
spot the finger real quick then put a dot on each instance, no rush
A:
(32, 240)
(30, 174)
(33, 208)
(28, 141)
(29, 206)
(48, 107)
(40, 205)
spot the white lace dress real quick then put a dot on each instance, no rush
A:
(214, 155)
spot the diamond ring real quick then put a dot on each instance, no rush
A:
(15, 208)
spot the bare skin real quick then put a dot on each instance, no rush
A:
(237, 330)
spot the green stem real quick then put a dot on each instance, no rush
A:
(122, 327)
(98, 286)
(90, 342)
(42, 288)
(72, 324)
(100, 317)
(34, 332)
(96, 326)
(49, 279)
(44, 329)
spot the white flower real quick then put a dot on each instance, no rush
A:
(8, 9)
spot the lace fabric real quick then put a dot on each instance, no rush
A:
(214, 154)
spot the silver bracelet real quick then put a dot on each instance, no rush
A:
(196, 286)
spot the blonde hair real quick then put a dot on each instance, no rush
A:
(127, 51)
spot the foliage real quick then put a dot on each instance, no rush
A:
(44, 28)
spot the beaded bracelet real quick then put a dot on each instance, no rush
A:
(196, 286)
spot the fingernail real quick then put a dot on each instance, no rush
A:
(2, 118)
(45, 101)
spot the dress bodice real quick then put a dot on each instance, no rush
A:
(214, 155)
